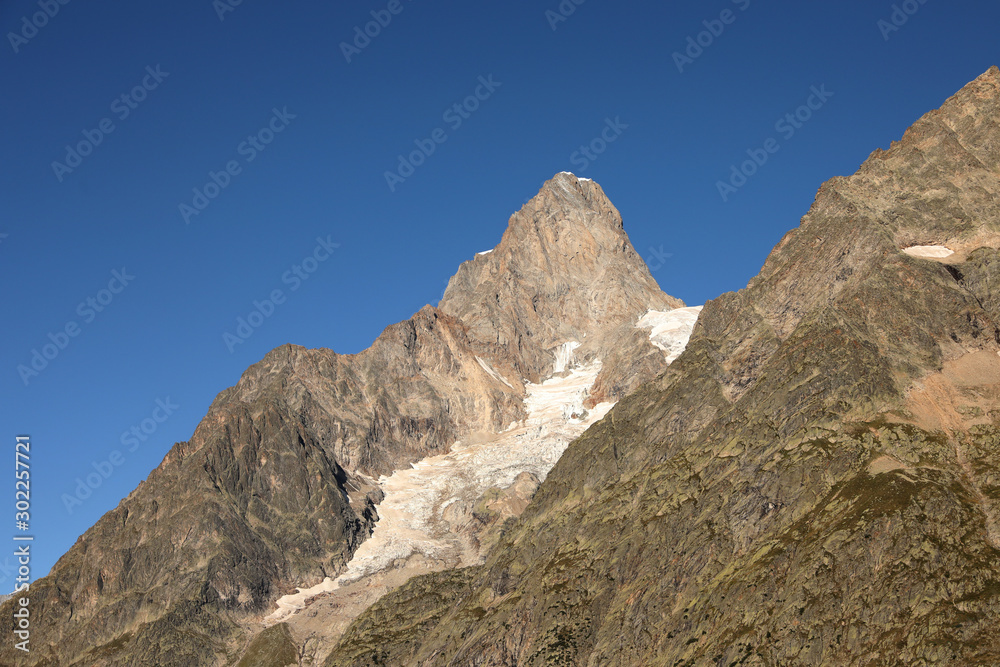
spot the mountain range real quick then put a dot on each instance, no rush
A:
(560, 464)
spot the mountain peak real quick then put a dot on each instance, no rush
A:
(564, 269)
(567, 192)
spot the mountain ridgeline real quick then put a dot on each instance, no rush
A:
(814, 481)
(277, 487)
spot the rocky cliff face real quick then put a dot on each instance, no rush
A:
(813, 481)
(565, 272)
(277, 488)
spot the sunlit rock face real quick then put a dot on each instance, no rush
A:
(441, 512)
(564, 288)
(424, 444)
(813, 481)
(444, 511)
(563, 273)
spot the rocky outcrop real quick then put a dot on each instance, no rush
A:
(812, 482)
(276, 489)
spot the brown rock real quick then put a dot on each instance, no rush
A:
(813, 482)
(276, 488)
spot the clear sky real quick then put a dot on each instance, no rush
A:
(140, 103)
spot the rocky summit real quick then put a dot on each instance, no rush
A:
(320, 482)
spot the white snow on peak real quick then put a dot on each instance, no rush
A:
(485, 252)
(670, 330)
(564, 356)
(929, 251)
(570, 173)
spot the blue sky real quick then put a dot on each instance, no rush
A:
(312, 214)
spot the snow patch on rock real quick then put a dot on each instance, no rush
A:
(929, 251)
(289, 604)
(670, 330)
